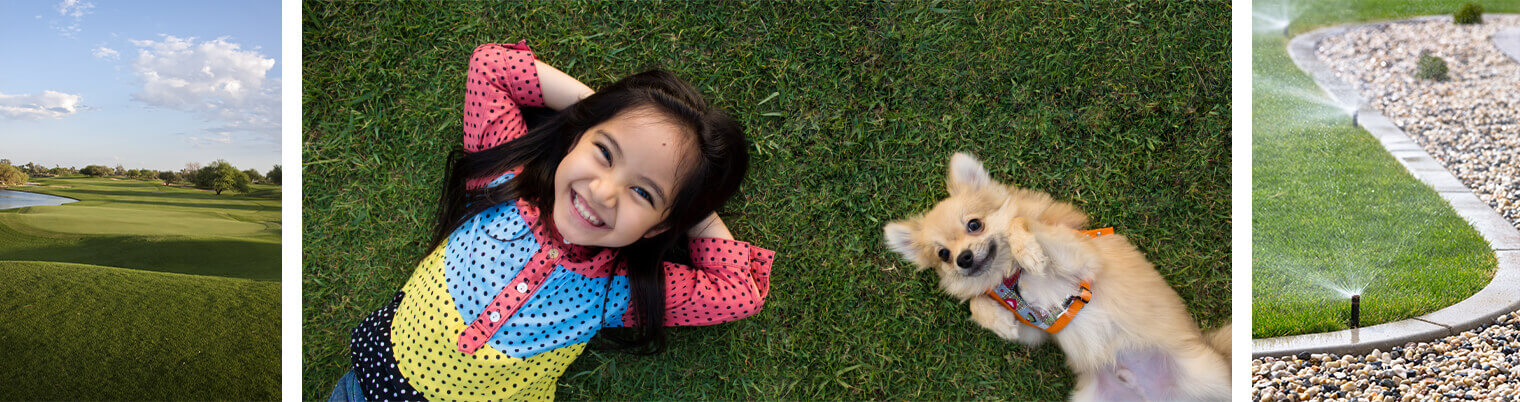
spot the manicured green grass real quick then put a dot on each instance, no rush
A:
(87, 316)
(1122, 110)
(88, 332)
(148, 226)
(1332, 208)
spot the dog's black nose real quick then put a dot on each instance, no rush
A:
(964, 260)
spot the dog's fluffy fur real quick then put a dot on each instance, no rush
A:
(1134, 340)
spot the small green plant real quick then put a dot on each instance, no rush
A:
(1470, 13)
(1431, 68)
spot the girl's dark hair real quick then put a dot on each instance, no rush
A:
(712, 176)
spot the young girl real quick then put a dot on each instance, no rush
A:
(547, 235)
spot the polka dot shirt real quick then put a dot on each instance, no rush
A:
(501, 308)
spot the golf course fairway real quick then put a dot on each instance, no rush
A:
(141, 291)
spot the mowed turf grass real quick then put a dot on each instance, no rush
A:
(852, 112)
(140, 291)
(1331, 206)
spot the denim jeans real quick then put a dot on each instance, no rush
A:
(347, 390)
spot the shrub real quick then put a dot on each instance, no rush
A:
(11, 175)
(96, 171)
(221, 176)
(1431, 68)
(1470, 13)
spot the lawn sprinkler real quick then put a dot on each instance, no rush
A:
(1285, 31)
(1356, 311)
(1353, 117)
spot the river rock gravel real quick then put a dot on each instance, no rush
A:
(1470, 123)
(1480, 364)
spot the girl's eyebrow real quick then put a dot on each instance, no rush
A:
(619, 151)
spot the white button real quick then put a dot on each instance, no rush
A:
(522, 287)
(495, 316)
(553, 253)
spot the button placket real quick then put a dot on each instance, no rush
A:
(506, 303)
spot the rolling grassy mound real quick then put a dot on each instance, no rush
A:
(75, 331)
(112, 221)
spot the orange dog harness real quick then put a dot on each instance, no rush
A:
(1051, 321)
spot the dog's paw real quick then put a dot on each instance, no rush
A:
(987, 313)
(1031, 256)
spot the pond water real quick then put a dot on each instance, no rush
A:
(17, 199)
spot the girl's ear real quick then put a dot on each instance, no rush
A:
(655, 231)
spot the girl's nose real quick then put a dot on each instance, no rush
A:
(604, 191)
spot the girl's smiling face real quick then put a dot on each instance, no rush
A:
(615, 184)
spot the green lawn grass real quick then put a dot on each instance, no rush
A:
(87, 316)
(148, 226)
(89, 332)
(1331, 206)
(852, 112)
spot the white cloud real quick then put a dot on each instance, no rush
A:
(213, 138)
(75, 8)
(46, 105)
(217, 79)
(71, 8)
(106, 53)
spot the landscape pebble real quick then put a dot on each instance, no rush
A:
(1473, 365)
(1470, 123)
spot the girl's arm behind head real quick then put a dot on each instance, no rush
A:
(560, 89)
(711, 227)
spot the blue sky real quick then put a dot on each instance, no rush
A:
(143, 84)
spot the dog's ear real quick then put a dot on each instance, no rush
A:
(966, 174)
(899, 238)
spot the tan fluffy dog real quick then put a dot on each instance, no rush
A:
(1133, 341)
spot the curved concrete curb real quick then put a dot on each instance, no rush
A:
(1501, 296)
(1508, 41)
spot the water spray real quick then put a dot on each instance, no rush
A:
(1356, 311)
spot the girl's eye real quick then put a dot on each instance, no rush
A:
(606, 155)
(645, 194)
(944, 255)
(975, 225)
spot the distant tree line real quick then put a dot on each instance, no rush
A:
(219, 176)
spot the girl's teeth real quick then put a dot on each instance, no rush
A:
(581, 207)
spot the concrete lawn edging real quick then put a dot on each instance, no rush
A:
(1499, 297)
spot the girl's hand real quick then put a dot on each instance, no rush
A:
(560, 89)
(711, 227)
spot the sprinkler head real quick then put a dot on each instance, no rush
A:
(1285, 31)
(1356, 311)
(1353, 118)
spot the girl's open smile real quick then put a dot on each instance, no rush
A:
(587, 215)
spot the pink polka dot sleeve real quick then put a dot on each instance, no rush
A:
(729, 281)
(501, 78)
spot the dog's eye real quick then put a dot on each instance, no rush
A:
(944, 255)
(975, 225)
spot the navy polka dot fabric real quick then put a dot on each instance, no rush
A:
(374, 365)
